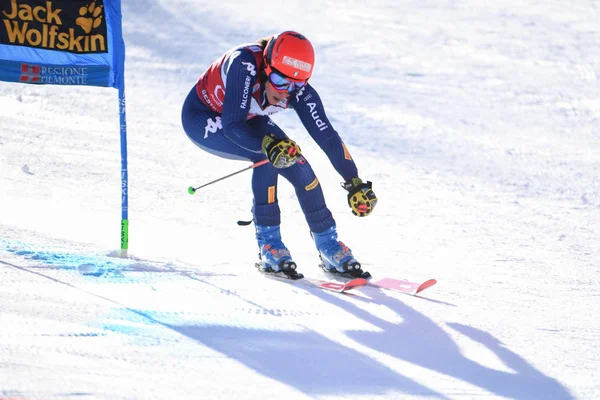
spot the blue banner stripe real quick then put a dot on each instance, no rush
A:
(48, 74)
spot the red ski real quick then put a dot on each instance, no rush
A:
(327, 285)
(339, 287)
(400, 285)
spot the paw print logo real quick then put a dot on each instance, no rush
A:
(91, 17)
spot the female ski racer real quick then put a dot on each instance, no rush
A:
(227, 114)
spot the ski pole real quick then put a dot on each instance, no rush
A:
(192, 190)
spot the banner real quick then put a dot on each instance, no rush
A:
(62, 42)
(68, 42)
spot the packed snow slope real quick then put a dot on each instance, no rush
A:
(477, 123)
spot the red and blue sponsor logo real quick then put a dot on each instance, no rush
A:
(30, 73)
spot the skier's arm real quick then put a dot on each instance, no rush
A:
(308, 106)
(311, 112)
(241, 77)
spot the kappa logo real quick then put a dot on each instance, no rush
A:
(212, 126)
(91, 17)
(250, 68)
(301, 93)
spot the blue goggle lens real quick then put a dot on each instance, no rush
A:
(282, 83)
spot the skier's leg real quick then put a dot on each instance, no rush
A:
(335, 254)
(203, 127)
(267, 217)
(302, 177)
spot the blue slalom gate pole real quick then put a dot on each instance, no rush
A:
(124, 175)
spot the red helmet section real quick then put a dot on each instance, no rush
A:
(291, 54)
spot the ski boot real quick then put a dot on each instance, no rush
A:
(336, 257)
(274, 257)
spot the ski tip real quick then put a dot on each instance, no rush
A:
(356, 283)
(425, 285)
(402, 285)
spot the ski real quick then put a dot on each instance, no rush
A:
(399, 285)
(337, 287)
(403, 286)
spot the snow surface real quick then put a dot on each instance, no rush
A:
(477, 123)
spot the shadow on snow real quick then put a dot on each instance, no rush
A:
(420, 341)
(304, 360)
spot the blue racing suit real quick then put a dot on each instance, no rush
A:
(227, 114)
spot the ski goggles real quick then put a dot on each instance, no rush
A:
(281, 83)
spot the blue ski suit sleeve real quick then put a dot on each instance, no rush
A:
(310, 110)
(241, 77)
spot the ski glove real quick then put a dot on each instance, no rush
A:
(282, 153)
(361, 198)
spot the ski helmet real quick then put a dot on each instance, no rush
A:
(291, 54)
